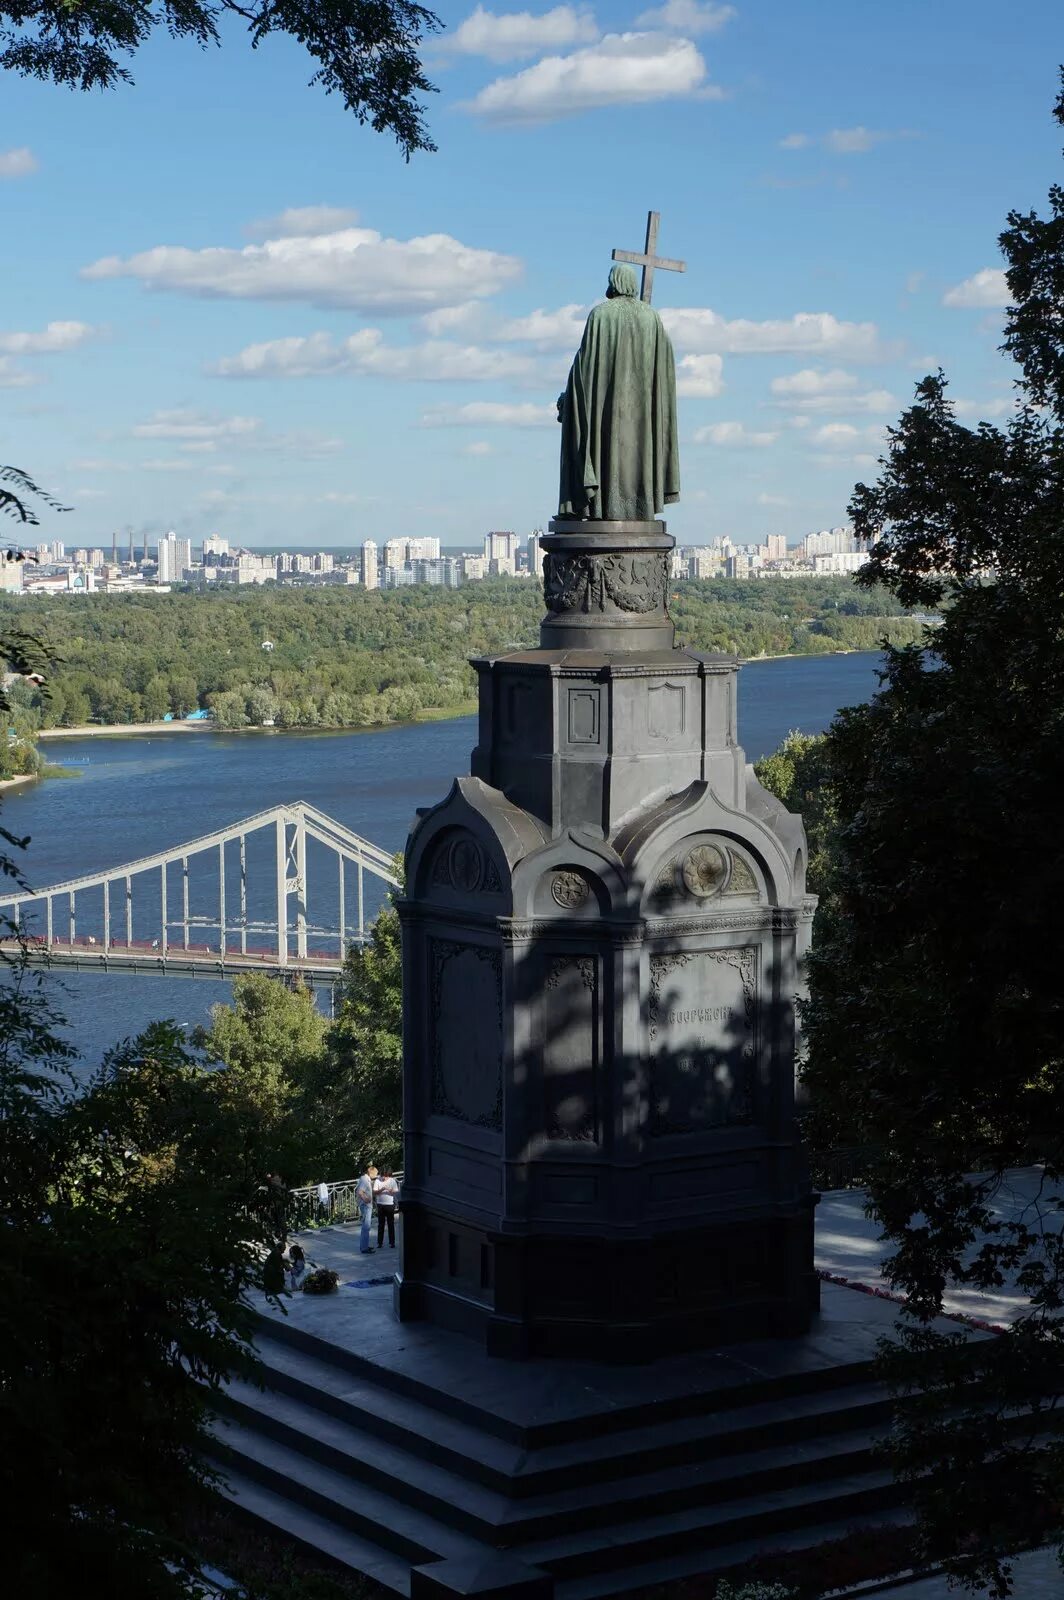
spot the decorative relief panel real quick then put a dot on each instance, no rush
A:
(742, 880)
(703, 1036)
(571, 1049)
(624, 583)
(465, 1040)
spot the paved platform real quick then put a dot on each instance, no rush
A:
(1036, 1575)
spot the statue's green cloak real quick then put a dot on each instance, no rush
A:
(618, 414)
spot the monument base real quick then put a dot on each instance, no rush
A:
(564, 1477)
(611, 1299)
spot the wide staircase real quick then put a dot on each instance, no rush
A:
(383, 1473)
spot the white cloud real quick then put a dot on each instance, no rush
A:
(772, 500)
(197, 426)
(55, 337)
(687, 16)
(89, 494)
(366, 354)
(817, 390)
(303, 222)
(491, 413)
(353, 268)
(518, 33)
(549, 330)
(733, 436)
(845, 141)
(845, 436)
(12, 377)
(479, 447)
(986, 289)
(814, 381)
(700, 377)
(622, 69)
(18, 163)
(983, 409)
(704, 332)
(98, 464)
(187, 464)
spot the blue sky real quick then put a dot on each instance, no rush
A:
(228, 307)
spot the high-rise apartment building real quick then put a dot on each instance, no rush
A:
(776, 547)
(829, 542)
(502, 547)
(368, 565)
(173, 556)
(214, 547)
(323, 562)
(535, 553)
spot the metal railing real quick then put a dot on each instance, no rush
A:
(306, 1209)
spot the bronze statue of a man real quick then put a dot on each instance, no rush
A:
(620, 457)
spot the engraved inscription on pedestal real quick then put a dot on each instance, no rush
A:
(466, 1033)
(702, 1034)
(571, 1049)
(583, 716)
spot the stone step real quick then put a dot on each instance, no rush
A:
(397, 1528)
(321, 1535)
(705, 1528)
(708, 1392)
(483, 1458)
(485, 1513)
(725, 1560)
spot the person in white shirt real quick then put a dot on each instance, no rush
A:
(385, 1192)
(324, 1208)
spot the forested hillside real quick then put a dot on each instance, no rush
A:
(341, 657)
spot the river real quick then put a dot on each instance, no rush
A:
(139, 795)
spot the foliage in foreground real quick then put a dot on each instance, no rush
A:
(128, 1245)
(367, 51)
(936, 1022)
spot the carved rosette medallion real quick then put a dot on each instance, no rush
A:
(569, 889)
(466, 863)
(635, 584)
(704, 871)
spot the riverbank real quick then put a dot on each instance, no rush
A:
(16, 783)
(120, 730)
(99, 730)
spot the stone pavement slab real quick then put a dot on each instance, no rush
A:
(1036, 1575)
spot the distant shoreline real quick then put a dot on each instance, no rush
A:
(96, 730)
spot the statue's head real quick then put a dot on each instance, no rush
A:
(622, 282)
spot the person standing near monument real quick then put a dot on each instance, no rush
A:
(385, 1190)
(620, 455)
(364, 1196)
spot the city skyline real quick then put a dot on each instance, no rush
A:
(382, 343)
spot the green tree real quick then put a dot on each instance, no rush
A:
(271, 1040)
(367, 51)
(798, 772)
(356, 1095)
(936, 1021)
(129, 1248)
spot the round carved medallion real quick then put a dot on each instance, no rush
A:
(569, 890)
(466, 864)
(705, 870)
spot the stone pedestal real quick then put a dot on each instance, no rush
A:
(601, 940)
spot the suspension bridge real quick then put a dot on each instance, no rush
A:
(236, 900)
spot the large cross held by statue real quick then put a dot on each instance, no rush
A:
(648, 260)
